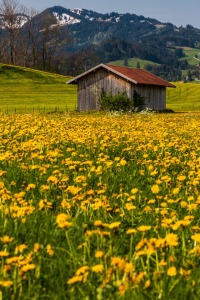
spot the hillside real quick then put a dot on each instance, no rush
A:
(132, 62)
(25, 90)
(185, 97)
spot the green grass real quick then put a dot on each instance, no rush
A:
(186, 97)
(132, 62)
(24, 90)
(190, 54)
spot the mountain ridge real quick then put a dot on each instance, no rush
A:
(87, 37)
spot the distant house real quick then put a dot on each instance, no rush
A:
(115, 80)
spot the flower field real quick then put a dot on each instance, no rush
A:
(100, 207)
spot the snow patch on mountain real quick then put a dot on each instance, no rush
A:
(19, 22)
(160, 26)
(77, 11)
(65, 19)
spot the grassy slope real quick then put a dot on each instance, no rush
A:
(24, 89)
(186, 97)
(132, 62)
(190, 53)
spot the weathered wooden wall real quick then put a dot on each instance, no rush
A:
(155, 96)
(91, 85)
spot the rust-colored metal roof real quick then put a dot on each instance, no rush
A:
(141, 76)
(136, 76)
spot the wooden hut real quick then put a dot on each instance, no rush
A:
(115, 80)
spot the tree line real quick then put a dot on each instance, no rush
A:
(28, 40)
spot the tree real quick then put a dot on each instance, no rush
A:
(138, 65)
(189, 75)
(11, 22)
(126, 62)
(4, 42)
(31, 36)
(52, 38)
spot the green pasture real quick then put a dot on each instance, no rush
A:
(185, 97)
(24, 90)
(190, 55)
(132, 62)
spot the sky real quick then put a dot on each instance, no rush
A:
(178, 12)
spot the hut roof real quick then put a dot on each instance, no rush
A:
(136, 76)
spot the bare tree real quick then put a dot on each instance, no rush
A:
(46, 29)
(4, 42)
(53, 37)
(11, 21)
(30, 39)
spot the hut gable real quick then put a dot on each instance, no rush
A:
(115, 79)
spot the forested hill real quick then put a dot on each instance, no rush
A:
(73, 40)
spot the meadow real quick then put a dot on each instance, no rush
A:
(97, 206)
(190, 54)
(185, 97)
(132, 62)
(26, 90)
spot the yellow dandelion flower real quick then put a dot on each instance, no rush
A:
(27, 268)
(122, 162)
(1, 185)
(176, 191)
(6, 283)
(30, 186)
(75, 279)
(147, 284)
(45, 188)
(192, 206)
(82, 270)
(114, 225)
(53, 179)
(144, 228)
(36, 247)
(117, 262)
(20, 248)
(3, 253)
(80, 179)
(99, 254)
(155, 189)
(162, 263)
(183, 204)
(134, 191)
(50, 251)
(62, 222)
(98, 223)
(117, 159)
(129, 206)
(131, 231)
(129, 267)
(97, 269)
(196, 237)
(6, 239)
(172, 239)
(172, 271)
(181, 177)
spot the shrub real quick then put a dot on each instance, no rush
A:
(120, 101)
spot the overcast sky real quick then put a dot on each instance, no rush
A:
(178, 12)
